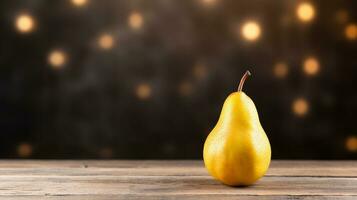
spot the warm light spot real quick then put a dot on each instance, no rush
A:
(143, 91)
(57, 58)
(300, 106)
(25, 23)
(351, 31)
(351, 143)
(305, 12)
(199, 70)
(209, 2)
(342, 16)
(185, 88)
(106, 41)
(79, 3)
(24, 150)
(135, 20)
(311, 66)
(251, 31)
(281, 70)
(106, 152)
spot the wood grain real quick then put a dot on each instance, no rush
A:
(92, 179)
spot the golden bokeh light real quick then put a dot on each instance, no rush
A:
(106, 41)
(24, 150)
(281, 69)
(25, 23)
(311, 66)
(351, 31)
(199, 71)
(143, 91)
(251, 31)
(79, 3)
(351, 143)
(342, 16)
(305, 11)
(136, 20)
(300, 106)
(209, 2)
(57, 58)
(185, 88)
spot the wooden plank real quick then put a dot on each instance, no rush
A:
(167, 168)
(187, 197)
(196, 197)
(175, 185)
(171, 179)
(159, 163)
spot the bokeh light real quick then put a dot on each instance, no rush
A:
(300, 106)
(200, 70)
(136, 20)
(305, 11)
(351, 143)
(281, 69)
(24, 150)
(251, 30)
(351, 31)
(185, 88)
(143, 91)
(106, 41)
(57, 58)
(342, 16)
(79, 3)
(209, 2)
(25, 23)
(311, 66)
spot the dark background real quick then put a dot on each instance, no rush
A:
(157, 90)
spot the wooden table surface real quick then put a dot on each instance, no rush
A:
(30, 179)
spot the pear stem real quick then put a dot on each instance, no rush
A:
(241, 83)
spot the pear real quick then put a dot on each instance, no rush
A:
(237, 151)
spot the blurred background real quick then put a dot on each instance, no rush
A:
(145, 79)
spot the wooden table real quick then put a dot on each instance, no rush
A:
(29, 179)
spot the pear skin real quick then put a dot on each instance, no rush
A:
(237, 151)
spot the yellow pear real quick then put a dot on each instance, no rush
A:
(237, 151)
